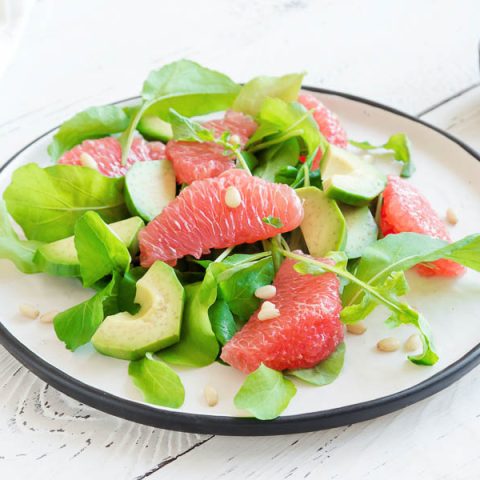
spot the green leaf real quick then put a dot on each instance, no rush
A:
(399, 145)
(47, 202)
(127, 290)
(100, 251)
(274, 159)
(265, 393)
(326, 371)
(188, 130)
(20, 252)
(76, 326)
(253, 93)
(95, 122)
(273, 221)
(222, 320)
(159, 384)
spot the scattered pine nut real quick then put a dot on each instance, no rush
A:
(266, 292)
(413, 343)
(86, 160)
(48, 316)
(452, 217)
(28, 311)
(268, 311)
(358, 328)
(233, 199)
(389, 344)
(235, 140)
(211, 395)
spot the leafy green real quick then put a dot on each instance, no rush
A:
(20, 252)
(273, 221)
(277, 157)
(222, 320)
(47, 202)
(127, 290)
(253, 93)
(95, 122)
(76, 326)
(265, 393)
(100, 251)
(326, 371)
(399, 145)
(159, 384)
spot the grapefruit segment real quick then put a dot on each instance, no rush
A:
(405, 209)
(199, 219)
(107, 154)
(307, 331)
(196, 161)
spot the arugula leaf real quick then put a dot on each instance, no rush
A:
(76, 326)
(95, 122)
(265, 393)
(185, 86)
(222, 320)
(47, 202)
(325, 372)
(159, 384)
(276, 158)
(253, 93)
(20, 252)
(399, 145)
(273, 221)
(100, 251)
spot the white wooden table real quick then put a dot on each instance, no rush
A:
(417, 56)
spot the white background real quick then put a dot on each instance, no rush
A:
(410, 54)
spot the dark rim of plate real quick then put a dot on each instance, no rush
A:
(224, 425)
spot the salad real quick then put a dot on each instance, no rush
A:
(218, 222)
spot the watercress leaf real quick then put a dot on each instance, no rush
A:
(47, 202)
(100, 251)
(273, 221)
(222, 320)
(188, 130)
(326, 371)
(20, 252)
(238, 290)
(399, 145)
(265, 393)
(76, 326)
(95, 122)
(159, 384)
(253, 93)
(276, 158)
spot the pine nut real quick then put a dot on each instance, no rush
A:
(29, 311)
(233, 199)
(413, 343)
(86, 160)
(268, 311)
(48, 316)
(389, 344)
(265, 292)
(235, 140)
(452, 217)
(358, 328)
(211, 395)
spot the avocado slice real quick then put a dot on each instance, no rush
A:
(60, 257)
(149, 188)
(323, 226)
(154, 128)
(155, 326)
(362, 230)
(350, 178)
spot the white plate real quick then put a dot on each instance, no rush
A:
(371, 383)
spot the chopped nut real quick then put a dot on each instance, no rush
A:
(389, 344)
(452, 218)
(29, 311)
(48, 316)
(413, 343)
(211, 395)
(265, 292)
(357, 328)
(268, 311)
(86, 160)
(233, 199)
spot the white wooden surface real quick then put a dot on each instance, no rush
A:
(412, 55)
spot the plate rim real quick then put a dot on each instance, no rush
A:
(240, 426)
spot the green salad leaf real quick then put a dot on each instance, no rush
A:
(127, 290)
(222, 320)
(399, 145)
(326, 371)
(253, 93)
(76, 326)
(20, 252)
(100, 251)
(95, 122)
(159, 384)
(265, 393)
(272, 160)
(47, 202)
